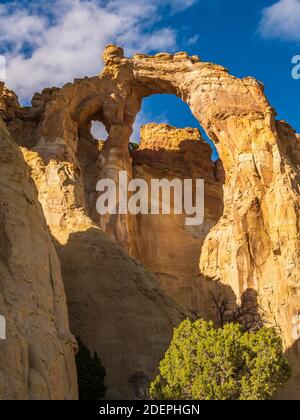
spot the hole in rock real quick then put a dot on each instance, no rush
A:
(92, 135)
(167, 245)
(99, 131)
(164, 243)
(168, 109)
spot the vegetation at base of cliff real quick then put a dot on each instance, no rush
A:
(208, 363)
(132, 147)
(91, 375)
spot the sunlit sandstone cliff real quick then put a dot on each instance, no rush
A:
(250, 238)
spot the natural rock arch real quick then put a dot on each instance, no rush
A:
(256, 243)
(236, 116)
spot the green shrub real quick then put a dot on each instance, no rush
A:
(206, 363)
(132, 147)
(90, 374)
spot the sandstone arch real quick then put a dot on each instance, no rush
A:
(256, 242)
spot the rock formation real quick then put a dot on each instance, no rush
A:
(116, 306)
(37, 358)
(250, 238)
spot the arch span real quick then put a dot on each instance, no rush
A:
(256, 242)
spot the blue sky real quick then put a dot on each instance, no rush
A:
(49, 43)
(229, 33)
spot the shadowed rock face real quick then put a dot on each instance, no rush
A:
(253, 244)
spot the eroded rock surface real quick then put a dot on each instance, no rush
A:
(255, 242)
(37, 359)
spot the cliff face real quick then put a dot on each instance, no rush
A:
(249, 240)
(37, 358)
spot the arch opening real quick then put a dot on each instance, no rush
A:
(173, 145)
(98, 130)
(92, 136)
(168, 109)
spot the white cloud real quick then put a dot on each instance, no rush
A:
(193, 40)
(2, 68)
(160, 39)
(180, 5)
(282, 20)
(51, 43)
(19, 27)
